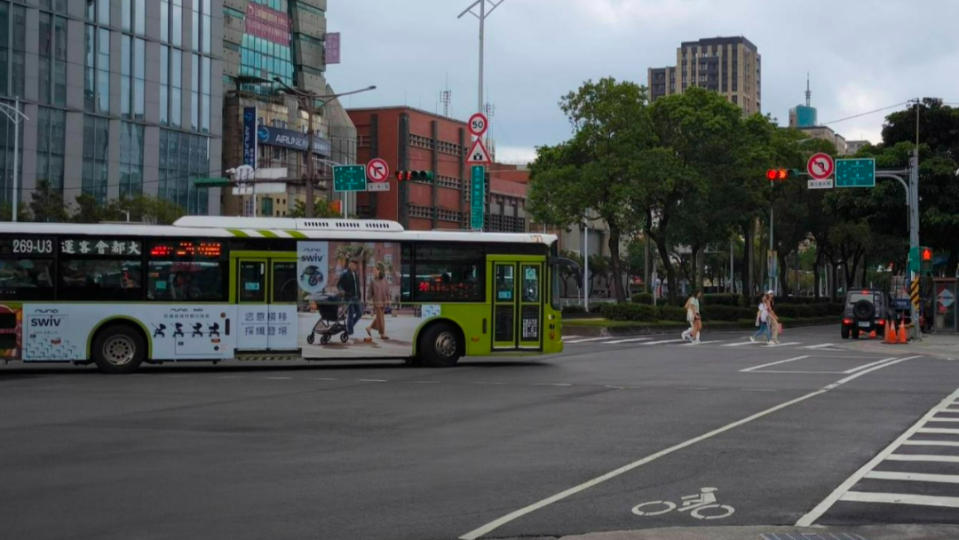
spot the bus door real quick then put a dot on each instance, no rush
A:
(517, 304)
(265, 290)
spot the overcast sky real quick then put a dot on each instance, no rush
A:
(861, 55)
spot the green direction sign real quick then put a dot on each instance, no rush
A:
(477, 196)
(859, 172)
(349, 178)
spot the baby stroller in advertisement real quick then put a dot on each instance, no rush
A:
(332, 321)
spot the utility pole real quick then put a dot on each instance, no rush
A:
(483, 13)
(307, 100)
(14, 115)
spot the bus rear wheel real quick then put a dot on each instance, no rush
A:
(118, 348)
(439, 346)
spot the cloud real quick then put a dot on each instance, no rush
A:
(515, 155)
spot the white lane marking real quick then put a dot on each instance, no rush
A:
(843, 489)
(820, 346)
(702, 342)
(630, 340)
(741, 343)
(660, 342)
(801, 372)
(552, 384)
(923, 457)
(279, 378)
(584, 340)
(865, 366)
(499, 522)
(946, 419)
(939, 430)
(788, 343)
(793, 359)
(930, 443)
(569, 337)
(914, 477)
(372, 380)
(901, 498)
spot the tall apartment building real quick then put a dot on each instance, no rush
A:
(728, 65)
(123, 97)
(285, 39)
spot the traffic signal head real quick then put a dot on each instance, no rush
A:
(925, 254)
(778, 175)
(414, 175)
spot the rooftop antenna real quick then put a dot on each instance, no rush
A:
(445, 96)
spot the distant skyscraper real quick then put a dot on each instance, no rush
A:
(728, 65)
(802, 116)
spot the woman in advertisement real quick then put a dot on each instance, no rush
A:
(379, 295)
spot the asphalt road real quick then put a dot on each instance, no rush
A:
(610, 435)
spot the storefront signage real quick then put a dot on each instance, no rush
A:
(288, 138)
(249, 136)
(267, 23)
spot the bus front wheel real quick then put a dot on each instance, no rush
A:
(440, 345)
(118, 348)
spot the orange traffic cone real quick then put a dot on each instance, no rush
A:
(903, 333)
(890, 338)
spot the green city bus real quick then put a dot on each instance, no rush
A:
(226, 288)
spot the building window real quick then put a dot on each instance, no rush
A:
(131, 159)
(97, 65)
(13, 23)
(96, 132)
(53, 59)
(50, 146)
(183, 158)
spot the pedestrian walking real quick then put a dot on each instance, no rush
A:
(693, 317)
(762, 319)
(775, 327)
(380, 295)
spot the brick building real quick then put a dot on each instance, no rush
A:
(412, 139)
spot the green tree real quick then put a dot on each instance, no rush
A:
(321, 209)
(590, 177)
(46, 203)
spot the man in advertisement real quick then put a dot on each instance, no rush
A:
(349, 286)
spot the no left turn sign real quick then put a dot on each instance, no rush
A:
(820, 166)
(377, 170)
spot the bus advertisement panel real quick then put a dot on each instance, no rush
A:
(349, 303)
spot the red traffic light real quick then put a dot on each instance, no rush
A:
(926, 254)
(774, 175)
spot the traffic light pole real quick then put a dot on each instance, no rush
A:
(912, 203)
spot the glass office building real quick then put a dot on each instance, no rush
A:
(124, 98)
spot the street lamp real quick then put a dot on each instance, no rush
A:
(14, 115)
(302, 96)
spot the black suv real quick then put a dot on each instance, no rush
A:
(865, 310)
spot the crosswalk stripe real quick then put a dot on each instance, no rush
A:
(914, 477)
(703, 342)
(938, 430)
(938, 419)
(820, 346)
(630, 340)
(783, 344)
(923, 457)
(930, 443)
(569, 337)
(741, 343)
(900, 498)
(584, 340)
(661, 341)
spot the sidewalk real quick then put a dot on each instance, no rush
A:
(943, 345)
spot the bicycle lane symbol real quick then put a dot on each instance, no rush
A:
(702, 505)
